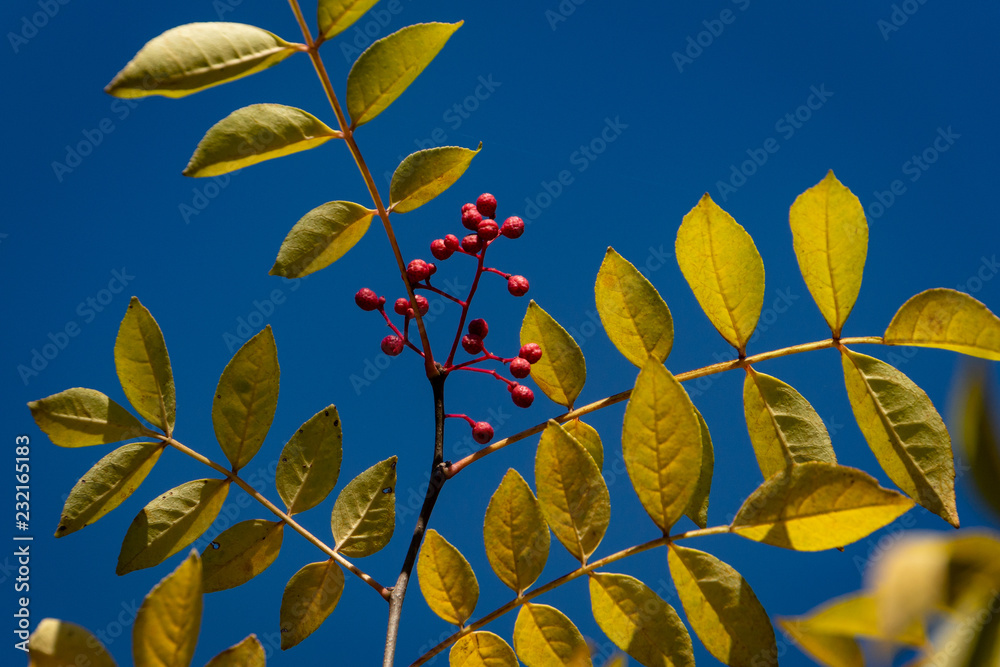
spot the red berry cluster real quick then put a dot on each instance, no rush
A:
(479, 218)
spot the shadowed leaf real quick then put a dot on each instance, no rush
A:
(482, 649)
(336, 16)
(697, 509)
(310, 596)
(587, 436)
(248, 653)
(169, 619)
(144, 367)
(424, 175)
(973, 413)
(81, 417)
(515, 533)
(364, 515)
(544, 637)
(320, 238)
(948, 320)
(56, 643)
(240, 553)
(561, 371)
(310, 462)
(446, 579)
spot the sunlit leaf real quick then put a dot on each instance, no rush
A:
(948, 320)
(721, 264)
(815, 506)
(722, 608)
(544, 637)
(561, 371)
(240, 553)
(587, 436)
(697, 508)
(107, 484)
(515, 533)
(424, 175)
(144, 367)
(171, 522)
(661, 444)
(634, 315)
(830, 650)
(248, 653)
(853, 615)
(310, 596)
(336, 16)
(321, 237)
(192, 57)
(446, 579)
(310, 462)
(246, 398)
(169, 619)
(973, 413)
(56, 643)
(830, 236)
(390, 65)
(81, 417)
(904, 431)
(364, 515)
(482, 649)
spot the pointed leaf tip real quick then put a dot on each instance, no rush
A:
(562, 370)
(948, 320)
(446, 580)
(424, 175)
(143, 367)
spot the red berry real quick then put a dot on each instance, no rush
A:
(432, 267)
(517, 285)
(472, 344)
(440, 249)
(392, 345)
(532, 352)
(471, 244)
(478, 327)
(512, 227)
(402, 305)
(366, 299)
(520, 368)
(422, 305)
(452, 243)
(521, 395)
(482, 432)
(487, 205)
(471, 219)
(488, 230)
(468, 207)
(418, 270)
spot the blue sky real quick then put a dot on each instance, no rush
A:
(602, 124)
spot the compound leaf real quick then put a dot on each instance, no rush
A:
(240, 553)
(948, 320)
(543, 637)
(310, 596)
(562, 371)
(321, 237)
(310, 462)
(336, 16)
(56, 643)
(364, 514)
(515, 533)
(248, 653)
(482, 649)
(587, 436)
(169, 619)
(81, 417)
(424, 175)
(143, 367)
(697, 509)
(446, 579)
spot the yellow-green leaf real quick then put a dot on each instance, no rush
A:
(248, 653)
(246, 398)
(978, 436)
(587, 436)
(390, 65)
(815, 506)
(171, 522)
(826, 649)
(721, 264)
(634, 315)
(192, 57)
(639, 621)
(310, 596)
(854, 615)
(321, 237)
(561, 371)
(364, 515)
(336, 16)
(310, 462)
(830, 236)
(107, 484)
(515, 533)
(240, 553)
(904, 431)
(482, 649)
(167, 624)
(784, 428)
(81, 417)
(662, 444)
(254, 134)
(424, 175)
(697, 509)
(446, 579)
(56, 643)
(544, 637)
(144, 367)
(948, 320)
(722, 608)
(573, 496)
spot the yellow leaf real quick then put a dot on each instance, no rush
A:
(815, 506)
(143, 367)
(56, 643)
(721, 264)
(697, 509)
(240, 553)
(909, 580)
(973, 412)
(446, 579)
(335, 16)
(948, 320)
(310, 461)
(248, 653)
(321, 237)
(364, 516)
(515, 534)
(169, 619)
(544, 637)
(854, 615)
(830, 236)
(81, 417)
(561, 371)
(310, 596)
(826, 649)
(424, 175)
(587, 436)
(481, 649)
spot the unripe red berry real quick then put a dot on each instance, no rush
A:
(452, 243)
(366, 299)
(472, 344)
(418, 270)
(471, 219)
(422, 304)
(401, 306)
(482, 432)
(517, 285)
(468, 207)
(531, 352)
(432, 267)
(471, 244)
(440, 249)
(392, 345)
(521, 395)
(520, 368)
(488, 230)
(478, 327)
(512, 227)
(487, 205)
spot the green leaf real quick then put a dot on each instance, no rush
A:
(446, 579)
(815, 506)
(587, 436)
(721, 264)
(978, 439)
(310, 596)
(697, 509)
(830, 236)
(639, 622)
(424, 175)
(904, 431)
(246, 398)
(171, 522)
(722, 608)
(662, 444)
(56, 643)
(107, 484)
(482, 649)
(144, 367)
(196, 56)
(947, 320)
(248, 653)
(390, 65)
(167, 624)
(81, 417)
(364, 515)
(515, 533)
(571, 492)
(561, 371)
(240, 553)
(544, 637)
(336, 16)
(784, 428)
(634, 315)
(255, 134)
(321, 237)
(310, 462)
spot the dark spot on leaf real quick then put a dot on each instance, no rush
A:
(387, 489)
(284, 458)
(219, 396)
(215, 545)
(326, 413)
(336, 422)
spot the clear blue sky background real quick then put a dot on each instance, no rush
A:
(555, 86)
